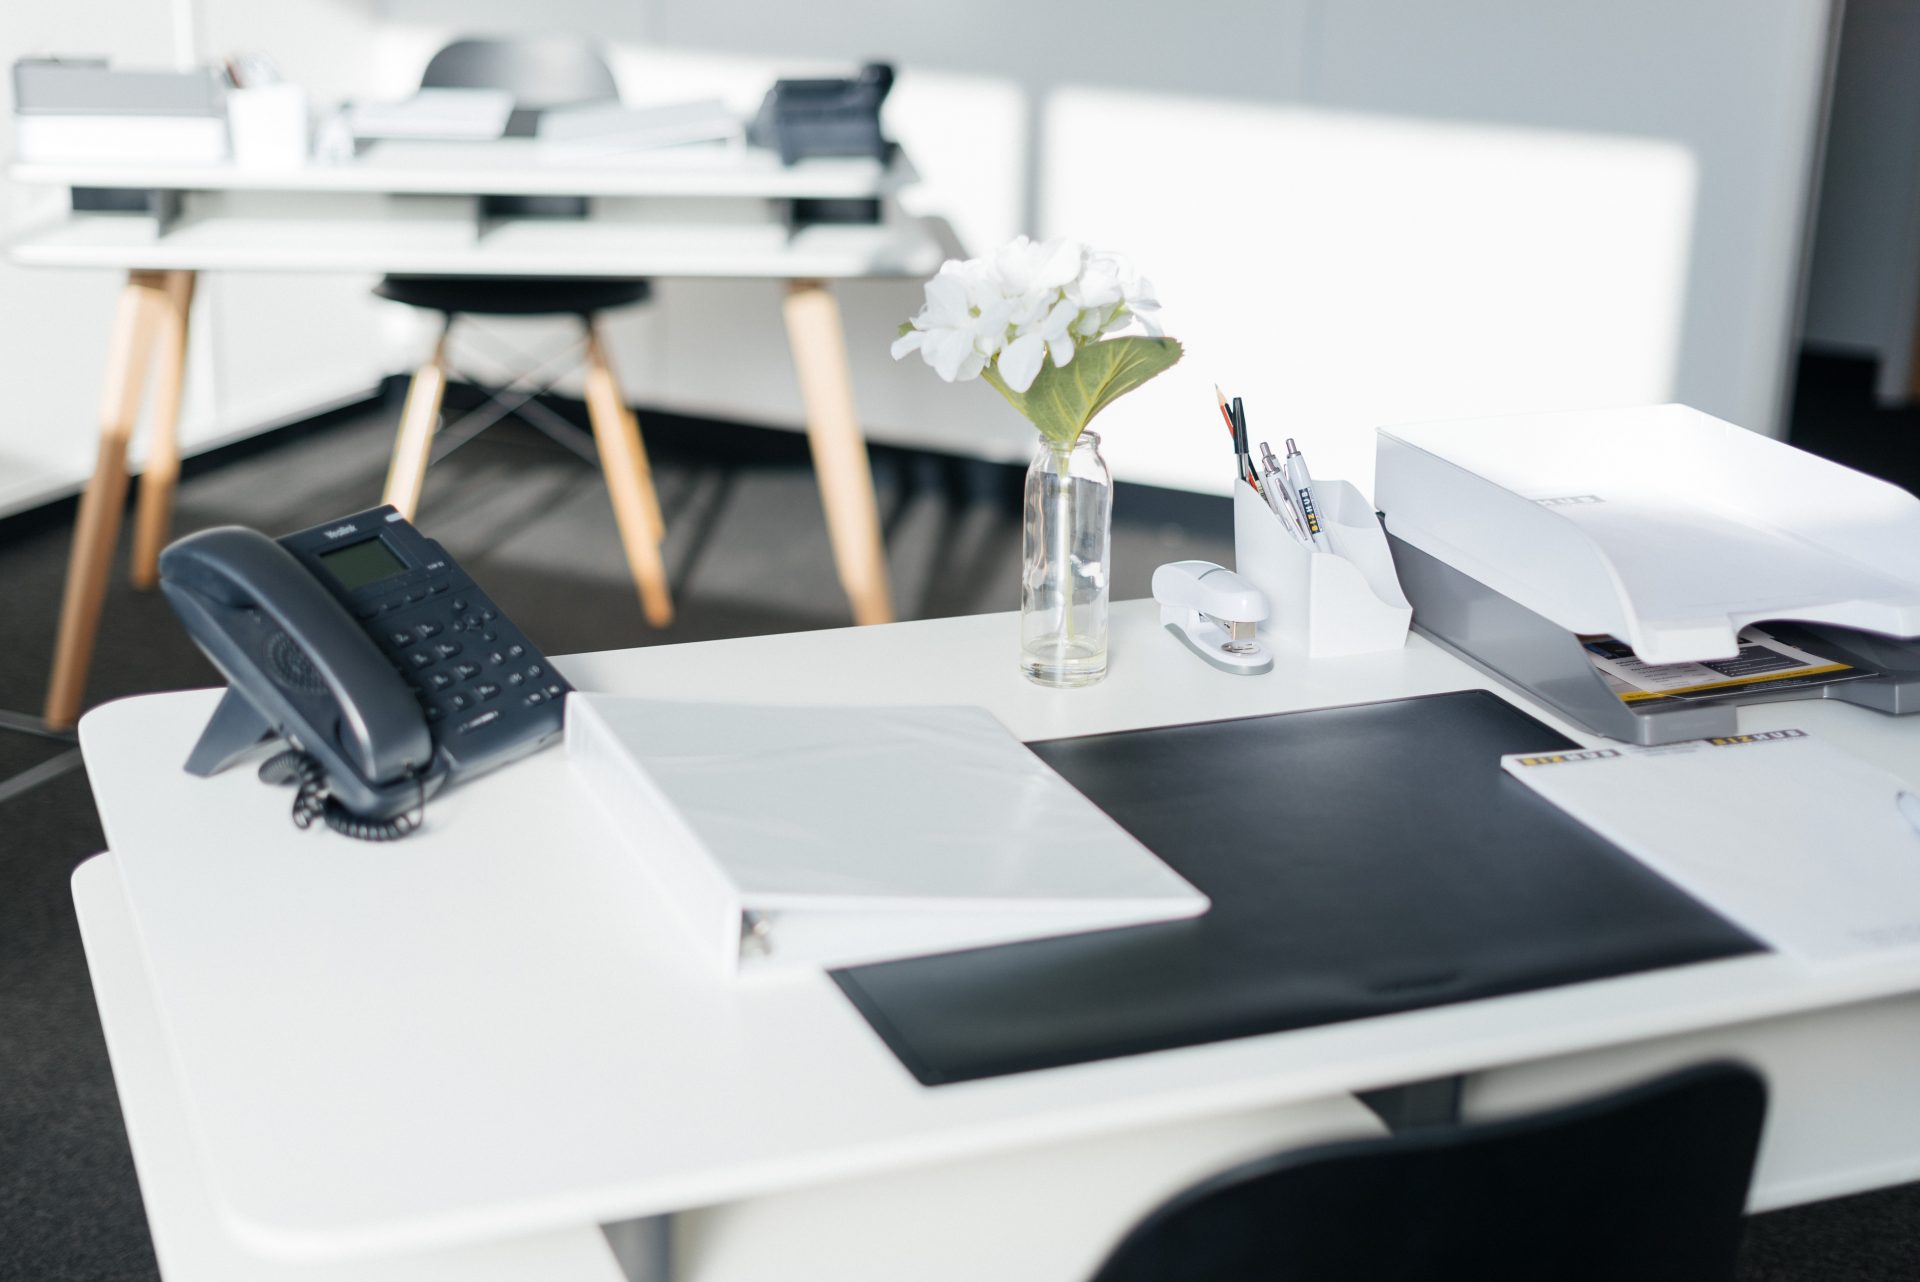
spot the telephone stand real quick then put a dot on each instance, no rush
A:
(235, 729)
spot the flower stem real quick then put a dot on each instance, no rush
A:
(1063, 545)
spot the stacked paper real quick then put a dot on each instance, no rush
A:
(1808, 848)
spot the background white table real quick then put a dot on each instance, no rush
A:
(415, 208)
(495, 1030)
(418, 209)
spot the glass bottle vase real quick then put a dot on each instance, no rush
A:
(1065, 546)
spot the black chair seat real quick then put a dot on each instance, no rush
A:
(513, 295)
(1645, 1185)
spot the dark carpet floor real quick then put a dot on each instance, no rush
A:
(747, 553)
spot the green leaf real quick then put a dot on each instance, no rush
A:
(1062, 402)
(906, 327)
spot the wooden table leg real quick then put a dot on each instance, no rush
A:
(419, 419)
(97, 528)
(839, 450)
(154, 510)
(623, 461)
(656, 519)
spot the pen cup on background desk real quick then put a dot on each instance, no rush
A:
(1344, 601)
(268, 125)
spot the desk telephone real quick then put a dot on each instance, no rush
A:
(379, 661)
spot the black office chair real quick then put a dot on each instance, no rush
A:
(541, 73)
(1647, 1185)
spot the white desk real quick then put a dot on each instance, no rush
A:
(507, 167)
(494, 1030)
(415, 208)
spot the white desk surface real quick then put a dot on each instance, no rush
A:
(188, 1235)
(412, 207)
(506, 167)
(493, 1029)
(439, 242)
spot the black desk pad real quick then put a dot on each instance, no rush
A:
(1361, 861)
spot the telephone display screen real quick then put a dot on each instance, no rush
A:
(359, 564)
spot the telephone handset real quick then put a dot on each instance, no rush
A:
(377, 658)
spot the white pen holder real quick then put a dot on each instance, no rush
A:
(1346, 601)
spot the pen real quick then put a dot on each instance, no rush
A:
(1279, 498)
(1269, 491)
(1301, 482)
(1240, 451)
(1234, 430)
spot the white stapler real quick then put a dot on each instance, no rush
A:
(1214, 611)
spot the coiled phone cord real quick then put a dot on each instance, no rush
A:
(312, 800)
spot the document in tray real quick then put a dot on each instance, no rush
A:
(610, 130)
(1764, 663)
(441, 115)
(1808, 848)
(830, 835)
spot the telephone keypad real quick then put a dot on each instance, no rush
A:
(430, 668)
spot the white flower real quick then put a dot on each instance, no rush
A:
(1050, 334)
(1021, 304)
(1029, 270)
(964, 324)
(1110, 293)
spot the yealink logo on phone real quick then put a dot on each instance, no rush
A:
(341, 531)
(1570, 500)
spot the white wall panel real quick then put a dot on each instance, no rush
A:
(1340, 270)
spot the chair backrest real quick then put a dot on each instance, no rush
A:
(1647, 1185)
(539, 71)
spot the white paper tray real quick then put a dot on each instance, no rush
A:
(1661, 525)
